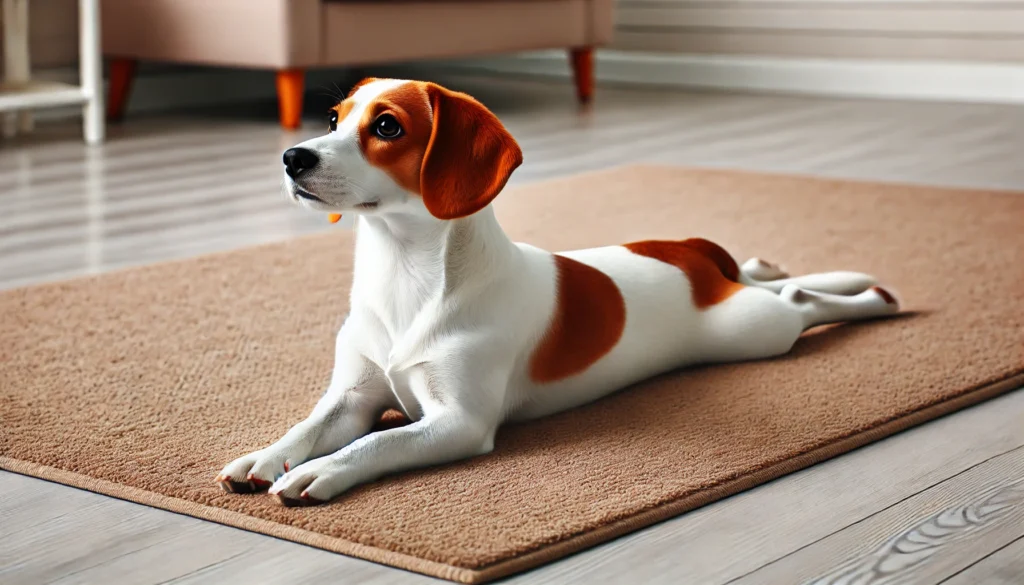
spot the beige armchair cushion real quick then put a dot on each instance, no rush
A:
(281, 34)
(242, 33)
(360, 32)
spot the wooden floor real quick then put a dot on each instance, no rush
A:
(943, 503)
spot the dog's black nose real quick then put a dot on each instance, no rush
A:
(298, 161)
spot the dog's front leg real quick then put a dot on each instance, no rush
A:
(451, 429)
(356, 396)
(446, 436)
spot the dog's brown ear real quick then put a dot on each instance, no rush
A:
(469, 158)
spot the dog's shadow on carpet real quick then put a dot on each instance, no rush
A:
(824, 338)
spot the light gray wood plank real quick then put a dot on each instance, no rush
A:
(923, 539)
(1003, 567)
(773, 520)
(87, 538)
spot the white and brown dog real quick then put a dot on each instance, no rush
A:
(461, 329)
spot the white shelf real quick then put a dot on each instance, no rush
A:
(19, 92)
(40, 94)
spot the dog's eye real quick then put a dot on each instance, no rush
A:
(333, 120)
(387, 127)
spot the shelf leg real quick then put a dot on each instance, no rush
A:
(17, 68)
(91, 71)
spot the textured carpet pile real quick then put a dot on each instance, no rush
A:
(142, 384)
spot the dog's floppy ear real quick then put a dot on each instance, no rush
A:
(469, 158)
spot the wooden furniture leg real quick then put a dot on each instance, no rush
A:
(582, 60)
(121, 73)
(290, 87)
(16, 60)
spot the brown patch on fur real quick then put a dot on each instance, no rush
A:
(886, 295)
(390, 419)
(712, 272)
(453, 151)
(401, 158)
(589, 317)
(343, 109)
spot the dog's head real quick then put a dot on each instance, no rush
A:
(397, 144)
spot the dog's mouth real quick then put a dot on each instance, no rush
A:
(307, 195)
(333, 217)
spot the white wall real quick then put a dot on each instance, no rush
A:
(974, 30)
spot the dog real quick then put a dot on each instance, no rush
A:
(461, 329)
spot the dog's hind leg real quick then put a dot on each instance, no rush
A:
(819, 308)
(756, 323)
(757, 272)
(761, 270)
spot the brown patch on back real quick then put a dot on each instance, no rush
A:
(590, 315)
(712, 272)
(402, 157)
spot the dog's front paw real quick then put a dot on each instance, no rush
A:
(254, 472)
(312, 483)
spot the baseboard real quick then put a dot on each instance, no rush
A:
(908, 80)
(165, 88)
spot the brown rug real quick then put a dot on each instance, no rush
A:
(142, 384)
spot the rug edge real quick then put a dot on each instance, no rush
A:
(743, 483)
(540, 556)
(238, 520)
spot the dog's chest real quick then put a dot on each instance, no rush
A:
(398, 345)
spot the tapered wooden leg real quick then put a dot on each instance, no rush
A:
(290, 86)
(582, 60)
(121, 73)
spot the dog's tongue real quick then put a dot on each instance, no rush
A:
(334, 217)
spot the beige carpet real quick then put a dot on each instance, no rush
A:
(142, 384)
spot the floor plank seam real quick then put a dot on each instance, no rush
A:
(982, 559)
(876, 513)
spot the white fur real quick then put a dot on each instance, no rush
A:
(446, 314)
